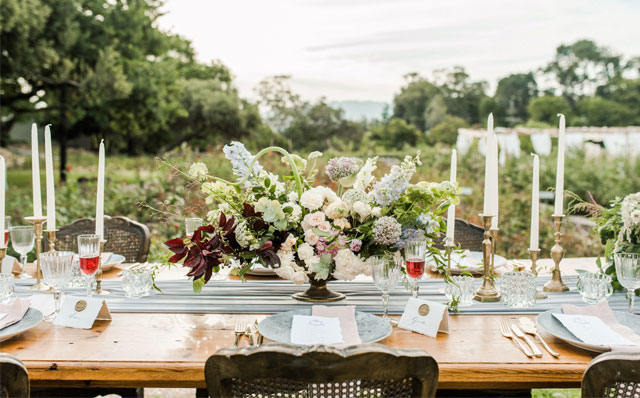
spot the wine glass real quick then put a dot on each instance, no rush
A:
(56, 270)
(22, 240)
(191, 224)
(7, 225)
(386, 273)
(89, 254)
(415, 251)
(628, 272)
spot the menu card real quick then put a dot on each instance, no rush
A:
(591, 330)
(347, 316)
(309, 330)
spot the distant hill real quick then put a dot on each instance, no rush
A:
(358, 110)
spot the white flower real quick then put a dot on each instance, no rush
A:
(243, 236)
(286, 258)
(324, 226)
(348, 265)
(287, 245)
(292, 196)
(198, 171)
(299, 277)
(630, 218)
(376, 211)
(365, 176)
(341, 223)
(336, 209)
(314, 219)
(328, 193)
(284, 272)
(305, 251)
(296, 212)
(310, 237)
(363, 209)
(312, 199)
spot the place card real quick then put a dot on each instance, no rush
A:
(425, 317)
(44, 303)
(10, 265)
(309, 330)
(592, 330)
(82, 312)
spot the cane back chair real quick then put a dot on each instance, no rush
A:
(613, 374)
(282, 370)
(468, 236)
(14, 379)
(123, 236)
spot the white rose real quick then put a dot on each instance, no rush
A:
(310, 237)
(376, 211)
(288, 243)
(363, 209)
(285, 272)
(286, 258)
(314, 219)
(299, 277)
(342, 223)
(328, 194)
(336, 209)
(312, 199)
(305, 251)
(348, 265)
(324, 226)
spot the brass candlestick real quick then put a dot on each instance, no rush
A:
(533, 255)
(494, 239)
(37, 228)
(99, 289)
(3, 253)
(557, 252)
(51, 239)
(487, 291)
(448, 249)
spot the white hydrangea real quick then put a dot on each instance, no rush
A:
(292, 196)
(362, 209)
(296, 212)
(630, 217)
(348, 265)
(198, 171)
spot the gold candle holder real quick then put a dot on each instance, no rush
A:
(51, 239)
(533, 255)
(448, 249)
(99, 289)
(37, 228)
(3, 253)
(487, 292)
(494, 239)
(557, 252)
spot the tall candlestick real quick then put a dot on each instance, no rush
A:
(100, 194)
(558, 208)
(51, 196)
(451, 215)
(3, 182)
(489, 207)
(494, 182)
(35, 172)
(535, 205)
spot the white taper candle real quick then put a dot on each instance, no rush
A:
(451, 215)
(488, 190)
(35, 172)
(51, 195)
(535, 205)
(100, 194)
(558, 208)
(3, 182)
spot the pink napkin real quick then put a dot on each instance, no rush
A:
(347, 316)
(15, 312)
(603, 311)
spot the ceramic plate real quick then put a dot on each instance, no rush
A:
(547, 322)
(259, 270)
(278, 327)
(477, 270)
(114, 259)
(31, 319)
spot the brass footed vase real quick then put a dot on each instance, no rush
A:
(318, 292)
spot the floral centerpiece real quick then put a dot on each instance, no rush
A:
(309, 233)
(618, 226)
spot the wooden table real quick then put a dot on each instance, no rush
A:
(169, 350)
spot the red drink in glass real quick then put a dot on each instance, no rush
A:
(89, 265)
(6, 237)
(415, 267)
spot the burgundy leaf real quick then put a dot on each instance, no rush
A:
(247, 210)
(222, 221)
(175, 245)
(177, 257)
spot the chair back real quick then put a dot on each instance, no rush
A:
(276, 369)
(14, 379)
(613, 374)
(469, 236)
(123, 236)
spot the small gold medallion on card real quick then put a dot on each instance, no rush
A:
(423, 310)
(81, 305)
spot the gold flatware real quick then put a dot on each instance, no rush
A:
(506, 332)
(248, 331)
(260, 337)
(534, 348)
(529, 327)
(241, 327)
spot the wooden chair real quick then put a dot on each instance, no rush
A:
(123, 236)
(14, 379)
(469, 236)
(317, 371)
(614, 374)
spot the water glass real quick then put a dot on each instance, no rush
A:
(386, 274)
(22, 240)
(518, 289)
(56, 271)
(77, 277)
(89, 254)
(415, 251)
(463, 288)
(628, 272)
(594, 287)
(191, 224)
(137, 282)
(6, 287)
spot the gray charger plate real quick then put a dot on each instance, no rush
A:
(547, 322)
(277, 327)
(31, 319)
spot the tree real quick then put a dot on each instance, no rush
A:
(623, 91)
(396, 134)
(435, 112)
(490, 105)
(598, 111)
(411, 103)
(513, 95)
(546, 109)
(461, 95)
(446, 132)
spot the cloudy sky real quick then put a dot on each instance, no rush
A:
(360, 49)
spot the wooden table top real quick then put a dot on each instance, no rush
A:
(169, 350)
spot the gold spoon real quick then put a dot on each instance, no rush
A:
(529, 327)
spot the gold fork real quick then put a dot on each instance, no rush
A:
(241, 328)
(506, 332)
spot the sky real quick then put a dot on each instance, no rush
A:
(360, 49)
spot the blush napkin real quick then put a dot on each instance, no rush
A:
(347, 316)
(604, 312)
(15, 312)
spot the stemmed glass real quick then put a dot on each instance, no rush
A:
(628, 272)
(386, 273)
(56, 270)
(415, 251)
(89, 254)
(22, 240)
(7, 224)
(191, 224)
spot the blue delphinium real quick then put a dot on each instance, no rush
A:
(240, 159)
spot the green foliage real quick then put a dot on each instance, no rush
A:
(411, 103)
(513, 95)
(546, 109)
(446, 132)
(597, 111)
(396, 134)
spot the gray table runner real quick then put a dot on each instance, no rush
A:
(271, 296)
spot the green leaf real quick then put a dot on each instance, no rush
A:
(198, 284)
(320, 233)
